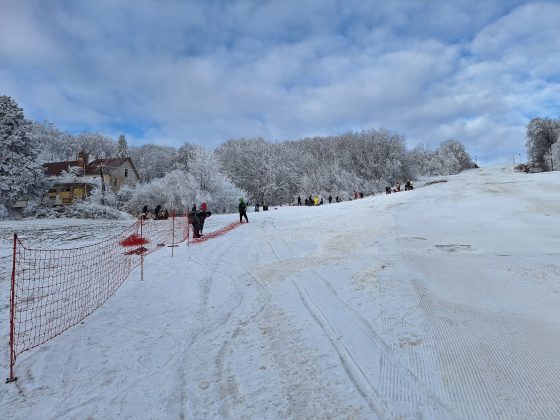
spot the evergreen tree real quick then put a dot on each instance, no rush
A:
(122, 147)
(21, 175)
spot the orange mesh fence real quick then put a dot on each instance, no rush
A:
(54, 289)
(215, 234)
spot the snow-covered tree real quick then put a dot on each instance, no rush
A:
(555, 155)
(153, 161)
(21, 175)
(542, 133)
(50, 141)
(122, 147)
(453, 157)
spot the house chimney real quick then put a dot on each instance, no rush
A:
(82, 156)
(82, 162)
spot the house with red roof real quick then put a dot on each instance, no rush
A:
(77, 178)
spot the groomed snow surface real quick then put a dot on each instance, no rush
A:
(442, 302)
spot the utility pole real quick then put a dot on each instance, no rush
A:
(102, 184)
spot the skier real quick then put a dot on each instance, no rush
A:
(144, 212)
(330, 199)
(156, 212)
(256, 207)
(298, 200)
(337, 199)
(387, 190)
(242, 211)
(316, 201)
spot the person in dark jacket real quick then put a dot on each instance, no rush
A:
(408, 185)
(330, 199)
(298, 200)
(198, 220)
(242, 211)
(156, 212)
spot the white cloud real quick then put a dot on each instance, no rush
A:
(207, 72)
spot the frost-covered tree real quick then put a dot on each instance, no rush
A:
(153, 161)
(555, 155)
(50, 140)
(185, 156)
(454, 157)
(179, 190)
(542, 133)
(21, 175)
(122, 147)
(95, 145)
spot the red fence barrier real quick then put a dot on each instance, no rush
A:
(54, 289)
(215, 234)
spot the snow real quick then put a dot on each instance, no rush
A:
(441, 302)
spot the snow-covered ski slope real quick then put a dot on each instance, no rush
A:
(442, 302)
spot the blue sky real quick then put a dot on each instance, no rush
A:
(169, 72)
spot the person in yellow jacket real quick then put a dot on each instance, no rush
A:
(316, 201)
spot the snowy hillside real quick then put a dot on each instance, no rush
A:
(441, 302)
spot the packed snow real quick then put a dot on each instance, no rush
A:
(441, 302)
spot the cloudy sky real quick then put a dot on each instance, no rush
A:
(168, 72)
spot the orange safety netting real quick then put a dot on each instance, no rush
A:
(215, 234)
(54, 289)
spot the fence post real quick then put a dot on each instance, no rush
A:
(172, 232)
(142, 254)
(12, 378)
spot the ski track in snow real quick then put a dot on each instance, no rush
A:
(389, 307)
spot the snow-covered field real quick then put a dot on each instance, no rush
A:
(442, 302)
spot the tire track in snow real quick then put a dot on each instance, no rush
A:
(218, 339)
(394, 373)
(206, 328)
(358, 377)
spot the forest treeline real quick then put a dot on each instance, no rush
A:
(259, 170)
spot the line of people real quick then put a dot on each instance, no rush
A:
(397, 188)
(316, 201)
(157, 214)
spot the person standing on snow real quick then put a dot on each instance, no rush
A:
(330, 199)
(316, 201)
(298, 200)
(198, 220)
(242, 211)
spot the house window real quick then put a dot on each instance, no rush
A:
(125, 172)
